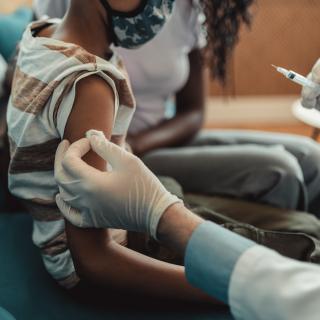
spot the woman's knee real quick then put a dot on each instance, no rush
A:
(309, 156)
(277, 186)
(281, 161)
(279, 181)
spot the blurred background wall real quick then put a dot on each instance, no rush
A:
(7, 6)
(283, 32)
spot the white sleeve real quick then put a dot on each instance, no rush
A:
(51, 8)
(268, 286)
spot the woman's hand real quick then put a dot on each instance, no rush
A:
(311, 97)
(129, 197)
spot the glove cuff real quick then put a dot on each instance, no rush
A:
(166, 202)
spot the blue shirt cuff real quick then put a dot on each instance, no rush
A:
(211, 256)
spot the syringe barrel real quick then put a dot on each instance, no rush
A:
(299, 79)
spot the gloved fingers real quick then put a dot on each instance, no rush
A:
(113, 154)
(68, 154)
(71, 214)
(72, 162)
(78, 149)
(70, 190)
(69, 196)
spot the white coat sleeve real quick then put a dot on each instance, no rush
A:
(267, 286)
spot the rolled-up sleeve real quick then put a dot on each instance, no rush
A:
(211, 256)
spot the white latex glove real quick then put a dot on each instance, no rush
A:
(311, 97)
(129, 197)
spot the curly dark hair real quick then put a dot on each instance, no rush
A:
(223, 21)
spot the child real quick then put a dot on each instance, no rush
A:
(68, 81)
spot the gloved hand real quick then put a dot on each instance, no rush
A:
(311, 97)
(129, 197)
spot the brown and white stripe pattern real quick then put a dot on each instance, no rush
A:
(30, 94)
(69, 281)
(43, 94)
(39, 157)
(56, 245)
(76, 52)
(43, 211)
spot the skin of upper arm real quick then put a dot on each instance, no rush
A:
(93, 109)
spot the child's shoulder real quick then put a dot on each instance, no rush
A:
(57, 58)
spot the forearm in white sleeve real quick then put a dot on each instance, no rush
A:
(267, 286)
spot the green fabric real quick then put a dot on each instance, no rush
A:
(28, 293)
(12, 27)
(259, 215)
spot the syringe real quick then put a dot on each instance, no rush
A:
(297, 78)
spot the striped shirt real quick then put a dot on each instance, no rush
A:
(43, 93)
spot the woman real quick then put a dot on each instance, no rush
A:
(278, 169)
(66, 82)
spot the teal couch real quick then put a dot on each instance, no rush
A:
(28, 293)
(12, 27)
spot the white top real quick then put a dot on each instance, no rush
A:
(161, 67)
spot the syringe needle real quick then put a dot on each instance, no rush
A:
(274, 66)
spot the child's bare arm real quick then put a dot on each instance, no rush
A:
(97, 257)
(93, 109)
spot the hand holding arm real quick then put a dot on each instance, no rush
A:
(135, 191)
(174, 225)
(219, 262)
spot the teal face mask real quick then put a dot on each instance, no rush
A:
(133, 29)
